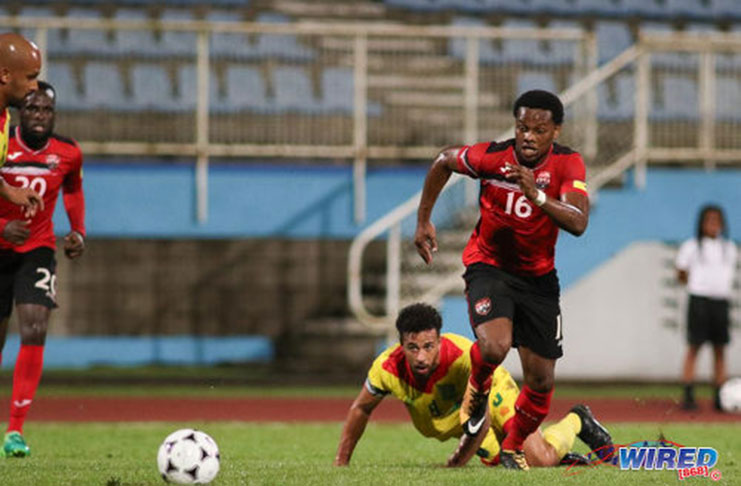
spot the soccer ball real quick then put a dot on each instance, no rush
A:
(730, 395)
(188, 456)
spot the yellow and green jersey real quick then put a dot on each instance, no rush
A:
(4, 134)
(434, 405)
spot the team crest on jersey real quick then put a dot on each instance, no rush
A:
(52, 160)
(543, 180)
(483, 306)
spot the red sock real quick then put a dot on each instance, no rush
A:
(481, 371)
(26, 379)
(531, 408)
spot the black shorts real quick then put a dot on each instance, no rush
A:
(27, 278)
(532, 303)
(707, 320)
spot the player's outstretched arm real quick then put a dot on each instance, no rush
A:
(467, 446)
(22, 196)
(357, 419)
(425, 237)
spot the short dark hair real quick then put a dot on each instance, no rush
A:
(710, 208)
(541, 99)
(48, 90)
(418, 317)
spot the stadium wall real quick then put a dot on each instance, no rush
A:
(276, 243)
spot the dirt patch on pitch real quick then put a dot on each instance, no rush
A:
(123, 409)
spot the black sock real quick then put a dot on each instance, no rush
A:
(689, 393)
(716, 398)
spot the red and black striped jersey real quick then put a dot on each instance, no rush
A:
(56, 165)
(513, 233)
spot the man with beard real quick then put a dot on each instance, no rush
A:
(45, 162)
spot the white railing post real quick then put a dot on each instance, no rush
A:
(707, 107)
(590, 125)
(202, 74)
(393, 270)
(640, 136)
(360, 128)
(471, 108)
(41, 41)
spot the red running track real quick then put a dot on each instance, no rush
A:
(125, 409)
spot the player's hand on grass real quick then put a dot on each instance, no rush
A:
(74, 245)
(523, 177)
(425, 239)
(16, 231)
(26, 197)
(458, 458)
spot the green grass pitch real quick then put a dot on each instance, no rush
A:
(301, 454)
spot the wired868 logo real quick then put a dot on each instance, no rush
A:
(668, 455)
(662, 455)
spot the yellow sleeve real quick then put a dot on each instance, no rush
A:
(375, 383)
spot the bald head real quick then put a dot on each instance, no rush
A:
(20, 63)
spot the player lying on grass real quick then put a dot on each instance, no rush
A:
(429, 372)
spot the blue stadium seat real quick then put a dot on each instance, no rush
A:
(104, 87)
(282, 46)
(152, 89)
(725, 9)
(528, 51)
(338, 89)
(85, 41)
(691, 9)
(293, 90)
(612, 39)
(54, 38)
(562, 52)
(136, 42)
(60, 75)
(615, 98)
(679, 96)
(245, 89)
(488, 54)
(187, 89)
(605, 8)
(527, 80)
(668, 59)
(415, 5)
(228, 45)
(178, 42)
(555, 7)
(644, 8)
(728, 98)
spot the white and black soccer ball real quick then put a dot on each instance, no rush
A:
(188, 456)
(730, 395)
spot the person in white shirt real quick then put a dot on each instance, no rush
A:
(706, 264)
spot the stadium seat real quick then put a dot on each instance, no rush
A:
(283, 46)
(415, 5)
(615, 98)
(728, 98)
(245, 90)
(54, 39)
(690, 9)
(527, 51)
(338, 89)
(562, 51)
(135, 42)
(488, 54)
(725, 9)
(187, 89)
(668, 59)
(527, 80)
(554, 7)
(152, 89)
(60, 75)
(85, 41)
(601, 8)
(644, 9)
(679, 100)
(104, 87)
(613, 37)
(293, 90)
(178, 42)
(229, 45)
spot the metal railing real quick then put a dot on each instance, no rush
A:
(636, 152)
(393, 90)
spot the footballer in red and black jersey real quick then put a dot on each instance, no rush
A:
(57, 164)
(513, 233)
